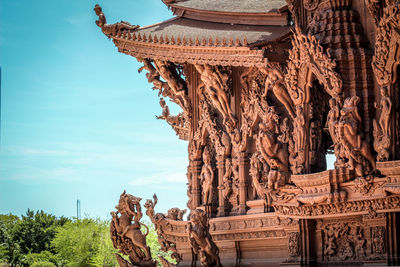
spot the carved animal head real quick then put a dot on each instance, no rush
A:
(173, 214)
(127, 202)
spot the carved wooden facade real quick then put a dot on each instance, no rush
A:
(267, 90)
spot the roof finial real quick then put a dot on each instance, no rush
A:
(102, 19)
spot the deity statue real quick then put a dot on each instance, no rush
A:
(274, 82)
(201, 240)
(207, 177)
(216, 88)
(272, 150)
(356, 150)
(176, 84)
(299, 132)
(382, 131)
(126, 234)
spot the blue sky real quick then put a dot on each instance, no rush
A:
(77, 120)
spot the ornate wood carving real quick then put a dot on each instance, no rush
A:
(384, 63)
(201, 240)
(111, 29)
(259, 128)
(308, 62)
(217, 90)
(353, 146)
(160, 222)
(343, 242)
(294, 247)
(126, 234)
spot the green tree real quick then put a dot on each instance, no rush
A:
(42, 257)
(35, 231)
(10, 250)
(85, 243)
(29, 234)
(152, 242)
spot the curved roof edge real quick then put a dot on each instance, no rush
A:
(271, 15)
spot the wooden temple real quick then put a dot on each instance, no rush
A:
(268, 89)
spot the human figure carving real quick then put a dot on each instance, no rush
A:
(385, 107)
(165, 113)
(201, 240)
(176, 84)
(127, 226)
(333, 119)
(382, 131)
(299, 131)
(215, 86)
(227, 179)
(153, 76)
(272, 151)
(274, 82)
(207, 177)
(355, 148)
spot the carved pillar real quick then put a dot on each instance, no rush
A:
(243, 170)
(195, 167)
(307, 251)
(221, 172)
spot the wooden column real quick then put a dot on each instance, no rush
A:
(221, 172)
(243, 171)
(307, 250)
(195, 167)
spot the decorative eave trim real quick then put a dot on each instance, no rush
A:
(245, 18)
(236, 55)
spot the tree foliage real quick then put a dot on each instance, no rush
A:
(42, 240)
(85, 243)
